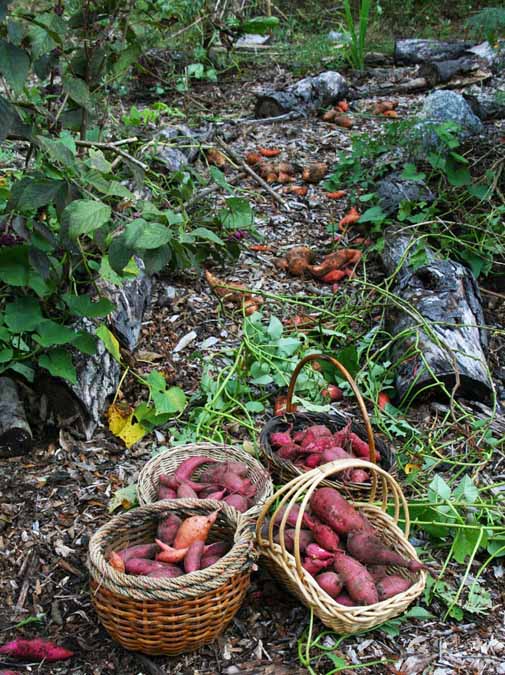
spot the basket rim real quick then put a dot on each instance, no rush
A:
(265, 490)
(236, 561)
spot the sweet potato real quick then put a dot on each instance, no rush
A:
(289, 451)
(187, 467)
(194, 528)
(319, 445)
(330, 582)
(166, 572)
(116, 562)
(293, 516)
(216, 548)
(306, 538)
(329, 505)
(344, 599)
(165, 492)
(392, 585)
(359, 476)
(168, 481)
(314, 566)
(325, 537)
(313, 460)
(333, 453)
(377, 572)
(169, 554)
(230, 480)
(240, 468)
(357, 580)
(209, 489)
(37, 649)
(167, 529)
(208, 560)
(359, 447)
(217, 495)
(186, 491)
(238, 502)
(314, 433)
(142, 567)
(147, 551)
(368, 548)
(193, 556)
(280, 438)
(316, 552)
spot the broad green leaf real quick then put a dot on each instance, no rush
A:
(204, 233)
(110, 342)
(106, 272)
(458, 174)
(374, 214)
(477, 263)
(153, 235)
(77, 90)
(255, 406)
(119, 254)
(85, 342)
(237, 215)
(172, 400)
(49, 333)
(127, 58)
(14, 65)
(156, 259)
(288, 346)
(219, 178)
(467, 490)
(14, 265)
(59, 363)
(84, 216)
(24, 370)
(438, 488)
(58, 151)
(275, 328)
(480, 191)
(7, 116)
(23, 314)
(6, 355)
(32, 193)
(410, 172)
(259, 25)
(84, 306)
(125, 497)
(464, 544)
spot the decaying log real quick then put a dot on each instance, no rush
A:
(437, 72)
(487, 104)
(409, 52)
(15, 433)
(450, 349)
(307, 95)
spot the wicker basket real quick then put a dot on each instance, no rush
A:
(287, 568)
(168, 461)
(284, 470)
(169, 616)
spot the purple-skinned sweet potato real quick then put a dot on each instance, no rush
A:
(391, 585)
(330, 582)
(357, 580)
(330, 507)
(147, 551)
(167, 529)
(194, 556)
(368, 548)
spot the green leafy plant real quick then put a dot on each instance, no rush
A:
(488, 22)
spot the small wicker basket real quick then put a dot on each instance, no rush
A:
(287, 568)
(169, 616)
(168, 461)
(284, 470)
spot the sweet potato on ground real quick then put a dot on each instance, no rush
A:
(37, 649)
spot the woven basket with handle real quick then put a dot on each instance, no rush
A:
(287, 567)
(284, 470)
(167, 462)
(169, 616)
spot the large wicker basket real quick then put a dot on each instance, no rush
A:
(287, 568)
(169, 616)
(284, 470)
(168, 461)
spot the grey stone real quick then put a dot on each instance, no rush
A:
(178, 145)
(394, 189)
(252, 40)
(336, 36)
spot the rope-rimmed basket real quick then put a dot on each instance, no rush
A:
(287, 568)
(284, 470)
(170, 616)
(167, 462)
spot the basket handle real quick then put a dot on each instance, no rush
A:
(354, 387)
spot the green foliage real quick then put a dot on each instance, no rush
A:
(356, 49)
(488, 23)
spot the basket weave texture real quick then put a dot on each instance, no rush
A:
(167, 462)
(284, 470)
(287, 567)
(169, 616)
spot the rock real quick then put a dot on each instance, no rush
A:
(445, 106)
(336, 36)
(167, 296)
(178, 145)
(394, 189)
(485, 52)
(252, 40)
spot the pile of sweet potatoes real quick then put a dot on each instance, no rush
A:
(179, 548)
(318, 445)
(223, 481)
(341, 551)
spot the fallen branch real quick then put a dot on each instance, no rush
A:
(114, 147)
(15, 433)
(238, 160)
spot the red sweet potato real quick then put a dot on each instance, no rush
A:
(368, 548)
(306, 538)
(218, 494)
(206, 474)
(194, 528)
(208, 490)
(316, 552)
(193, 556)
(392, 585)
(238, 502)
(37, 649)
(187, 467)
(344, 599)
(357, 580)
(185, 490)
(240, 468)
(279, 438)
(142, 567)
(314, 433)
(313, 460)
(298, 436)
(208, 560)
(319, 445)
(10, 672)
(216, 548)
(168, 481)
(330, 582)
(359, 476)
(329, 505)
(313, 566)
(289, 452)
(333, 453)
(326, 537)
(377, 572)
(167, 529)
(147, 551)
(166, 572)
(165, 492)
(293, 517)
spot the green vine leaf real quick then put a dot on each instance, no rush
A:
(59, 363)
(14, 65)
(84, 216)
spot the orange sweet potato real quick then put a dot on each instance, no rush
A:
(193, 529)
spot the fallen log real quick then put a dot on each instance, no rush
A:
(438, 316)
(307, 95)
(438, 72)
(15, 433)
(411, 51)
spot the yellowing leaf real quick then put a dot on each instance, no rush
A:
(121, 424)
(125, 497)
(409, 468)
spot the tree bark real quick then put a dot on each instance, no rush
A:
(15, 433)
(438, 72)
(409, 52)
(307, 95)
(450, 348)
